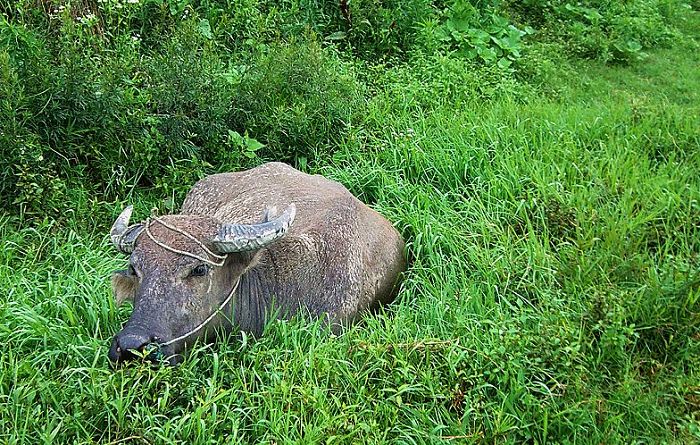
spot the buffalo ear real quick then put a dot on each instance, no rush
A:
(123, 286)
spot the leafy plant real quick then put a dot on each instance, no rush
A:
(247, 146)
(608, 31)
(486, 37)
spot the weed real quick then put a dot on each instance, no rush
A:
(486, 37)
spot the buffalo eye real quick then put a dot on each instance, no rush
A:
(199, 271)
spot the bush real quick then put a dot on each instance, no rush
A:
(108, 112)
(369, 29)
(298, 99)
(478, 33)
(608, 31)
(28, 178)
(105, 108)
(378, 30)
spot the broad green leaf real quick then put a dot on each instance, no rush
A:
(253, 145)
(205, 28)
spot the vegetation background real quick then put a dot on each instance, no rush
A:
(540, 157)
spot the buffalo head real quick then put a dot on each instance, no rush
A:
(183, 272)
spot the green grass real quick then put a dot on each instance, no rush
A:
(553, 295)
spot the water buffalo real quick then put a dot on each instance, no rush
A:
(229, 259)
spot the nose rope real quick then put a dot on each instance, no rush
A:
(204, 323)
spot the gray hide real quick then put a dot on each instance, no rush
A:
(337, 259)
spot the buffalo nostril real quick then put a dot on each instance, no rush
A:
(130, 345)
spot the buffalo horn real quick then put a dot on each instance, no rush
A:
(123, 238)
(246, 237)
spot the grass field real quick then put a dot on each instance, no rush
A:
(553, 294)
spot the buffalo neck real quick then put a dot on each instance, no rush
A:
(253, 301)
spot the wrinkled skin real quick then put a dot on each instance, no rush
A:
(173, 293)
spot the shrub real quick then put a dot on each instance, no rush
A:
(28, 177)
(369, 29)
(109, 113)
(106, 108)
(298, 99)
(481, 35)
(609, 31)
(118, 94)
(126, 113)
(380, 30)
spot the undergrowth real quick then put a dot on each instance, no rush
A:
(117, 95)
